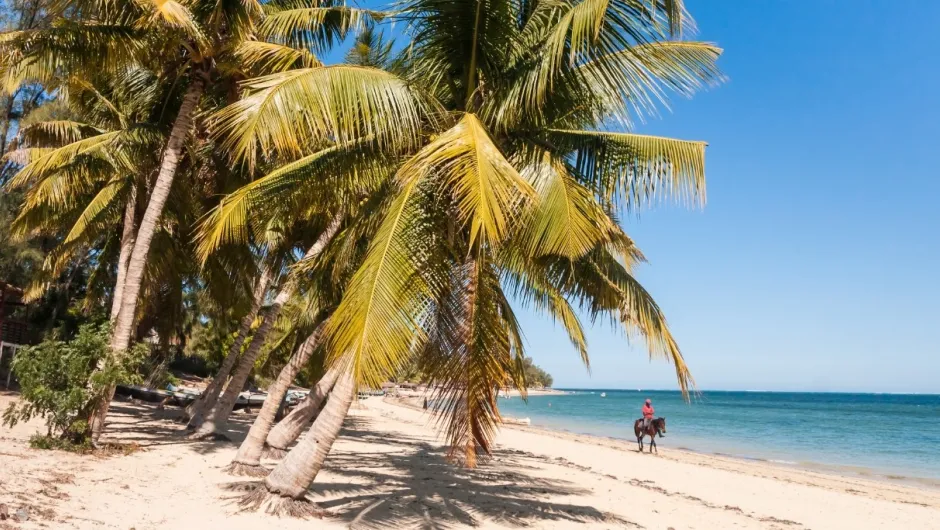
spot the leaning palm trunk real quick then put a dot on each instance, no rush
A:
(217, 418)
(124, 322)
(248, 459)
(207, 400)
(128, 235)
(284, 490)
(288, 430)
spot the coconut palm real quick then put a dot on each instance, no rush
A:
(81, 174)
(196, 44)
(217, 418)
(509, 184)
(324, 278)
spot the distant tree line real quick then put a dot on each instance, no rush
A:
(535, 377)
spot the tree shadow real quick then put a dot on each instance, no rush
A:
(150, 425)
(413, 485)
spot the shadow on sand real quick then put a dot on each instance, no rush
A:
(148, 425)
(406, 482)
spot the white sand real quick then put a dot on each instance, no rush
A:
(388, 471)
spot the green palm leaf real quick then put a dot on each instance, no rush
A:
(636, 168)
(60, 157)
(487, 189)
(377, 322)
(268, 58)
(326, 175)
(102, 201)
(565, 220)
(285, 112)
(55, 132)
(313, 26)
(605, 287)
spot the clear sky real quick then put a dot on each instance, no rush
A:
(814, 265)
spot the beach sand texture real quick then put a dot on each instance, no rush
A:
(388, 470)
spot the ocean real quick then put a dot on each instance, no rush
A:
(887, 435)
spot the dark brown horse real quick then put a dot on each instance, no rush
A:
(656, 426)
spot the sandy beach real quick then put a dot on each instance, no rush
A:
(388, 471)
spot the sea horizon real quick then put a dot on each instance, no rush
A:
(842, 432)
(693, 392)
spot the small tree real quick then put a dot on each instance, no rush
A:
(58, 380)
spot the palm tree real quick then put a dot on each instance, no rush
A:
(288, 430)
(195, 44)
(248, 459)
(217, 418)
(508, 181)
(324, 278)
(208, 398)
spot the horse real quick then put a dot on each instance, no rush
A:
(656, 426)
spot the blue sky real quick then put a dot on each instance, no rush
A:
(814, 265)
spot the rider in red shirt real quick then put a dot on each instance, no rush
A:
(647, 413)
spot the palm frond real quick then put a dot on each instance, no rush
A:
(638, 80)
(57, 132)
(315, 181)
(565, 219)
(285, 112)
(313, 26)
(474, 356)
(60, 157)
(485, 186)
(268, 57)
(612, 81)
(636, 168)
(605, 287)
(174, 15)
(532, 283)
(39, 55)
(376, 324)
(102, 201)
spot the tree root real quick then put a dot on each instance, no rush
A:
(273, 453)
(240, 469)
(259, 498)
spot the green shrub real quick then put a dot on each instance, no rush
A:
(43, 441)
(59, 380)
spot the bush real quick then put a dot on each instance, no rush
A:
(59, 380)
(43, 441)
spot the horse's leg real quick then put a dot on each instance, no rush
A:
(653, 444)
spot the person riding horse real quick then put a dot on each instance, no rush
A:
(648, 426)
(647, 414)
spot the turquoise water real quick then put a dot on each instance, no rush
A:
(878, 434)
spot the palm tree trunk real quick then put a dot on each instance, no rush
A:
(288, 430)
(248, 459)
(128, 236)
(197, 410)
(285, 489)
(217, 418)
(124, 323)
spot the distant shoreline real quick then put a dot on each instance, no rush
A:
(624, 444)
(532, 392)
(713, 390)
(835, 470)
